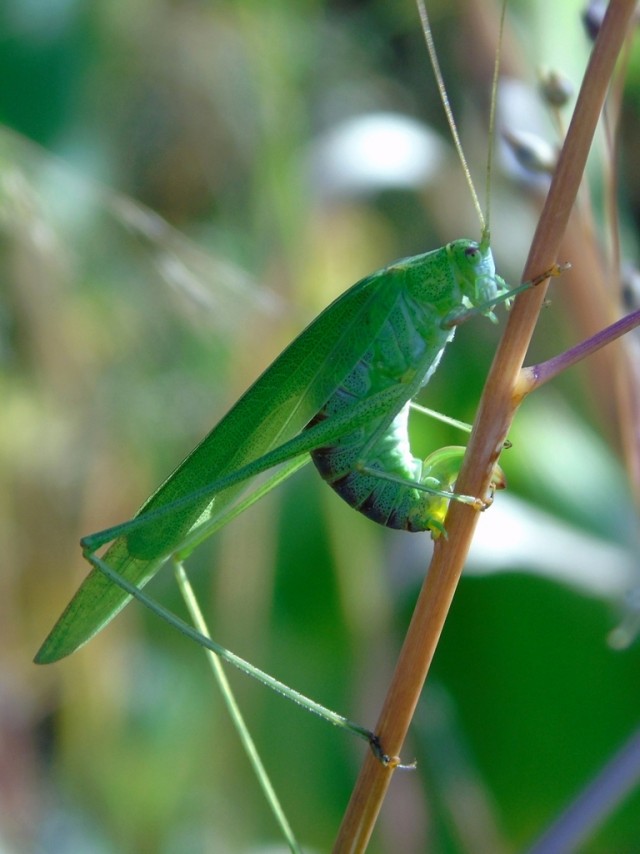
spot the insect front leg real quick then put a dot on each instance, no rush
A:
(461, 315)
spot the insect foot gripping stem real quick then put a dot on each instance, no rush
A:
(461, 315)
(388, 761)
(440, 472)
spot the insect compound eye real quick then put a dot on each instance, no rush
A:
(471, 251)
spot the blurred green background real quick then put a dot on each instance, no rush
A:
(184, 185)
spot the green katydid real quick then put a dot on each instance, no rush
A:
(431, 293)
(340, 394)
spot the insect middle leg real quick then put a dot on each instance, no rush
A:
(421, 503)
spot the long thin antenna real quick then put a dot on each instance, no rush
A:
(492, 117)
(433, 57)
(428, 37)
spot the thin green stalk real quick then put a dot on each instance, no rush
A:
(234, 711)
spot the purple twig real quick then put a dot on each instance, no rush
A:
(594, 803)
(537, 375)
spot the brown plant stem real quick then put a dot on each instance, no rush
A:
(497, 408)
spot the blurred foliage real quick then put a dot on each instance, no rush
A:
(171, 214)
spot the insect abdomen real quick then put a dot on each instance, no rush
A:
(392, 359)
